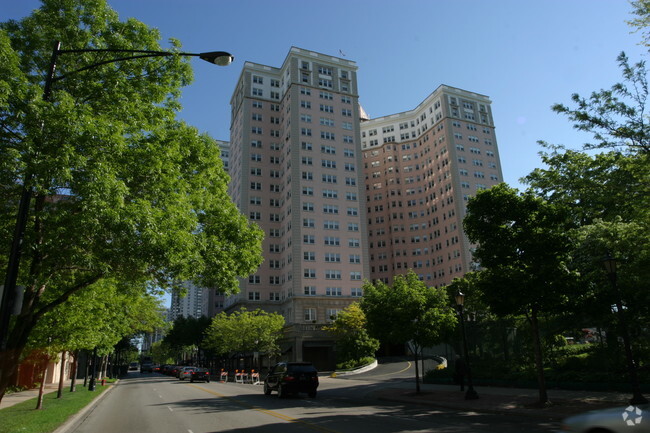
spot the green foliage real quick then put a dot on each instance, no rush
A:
(244, 331)
(162, 353)
(523, 245)
(352, 340)
(98, 317)
(616, 117)
(187, 331)
(407, 311)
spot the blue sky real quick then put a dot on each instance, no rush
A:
(525, 55)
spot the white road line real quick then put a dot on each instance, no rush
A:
(170, 409)
(189, 431)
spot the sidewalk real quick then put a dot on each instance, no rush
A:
(18, 397)
(507, 400)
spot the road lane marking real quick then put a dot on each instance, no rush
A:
(170, 409)
(397, 372)
(268, 412)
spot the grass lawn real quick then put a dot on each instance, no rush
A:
(23, 418)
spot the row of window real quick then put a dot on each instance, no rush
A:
(329, 241)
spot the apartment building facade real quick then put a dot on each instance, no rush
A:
(421, 167)
(296, 170)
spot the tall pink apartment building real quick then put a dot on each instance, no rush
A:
(342, 199)
(296, 169)
(420, 168)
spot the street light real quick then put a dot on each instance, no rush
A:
(220, 58)
(471, 394)
(609, 263)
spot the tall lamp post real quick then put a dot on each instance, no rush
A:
(220, 58)
(471, 394)
(609, 263)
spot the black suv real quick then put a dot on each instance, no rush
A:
(200, 374)
(291, 378)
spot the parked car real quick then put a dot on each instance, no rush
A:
(185, 372)
(133, 366)
(146, 367)
(291, 378)
(614, 420)
(200, 374)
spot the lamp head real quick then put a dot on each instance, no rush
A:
(220, 58)
(609, 263)
(460, 298)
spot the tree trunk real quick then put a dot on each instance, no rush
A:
(539, 363)
(417, 370)
(41, 389)
(75, 367)
(59, 393)
(10, 357)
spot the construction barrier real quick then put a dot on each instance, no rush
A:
(255, 378)
(224, 376)
(238, 377)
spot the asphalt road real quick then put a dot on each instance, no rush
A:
(152, 403)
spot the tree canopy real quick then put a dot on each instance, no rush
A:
(408, 312)
(245, 331)
(353, 341)
(122, 189)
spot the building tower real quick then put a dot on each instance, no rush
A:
(421, 167)
(295, 166)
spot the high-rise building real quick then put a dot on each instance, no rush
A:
(421, 167)
(193, 303)
(296, 169)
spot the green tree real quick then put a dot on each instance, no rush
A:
(642, 20)
(408, 312)
(122, 189)
(616, 117)
(245, 331)
(352, 340)
(524, 249)
(604, 186)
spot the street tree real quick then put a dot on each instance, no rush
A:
(523, 247)
(94, 319)
(409, 313)
(245, 331)
(122, 189)
(352, 340)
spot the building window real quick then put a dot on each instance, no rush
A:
(309, 290)
(254, 296)
(310, 314)
(333, 291)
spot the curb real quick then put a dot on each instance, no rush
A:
(356, 371)
(80, 416)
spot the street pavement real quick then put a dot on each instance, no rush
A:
(494, 400)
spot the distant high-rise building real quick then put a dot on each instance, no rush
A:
(193, 304)
(295, 167)
(421, 167)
